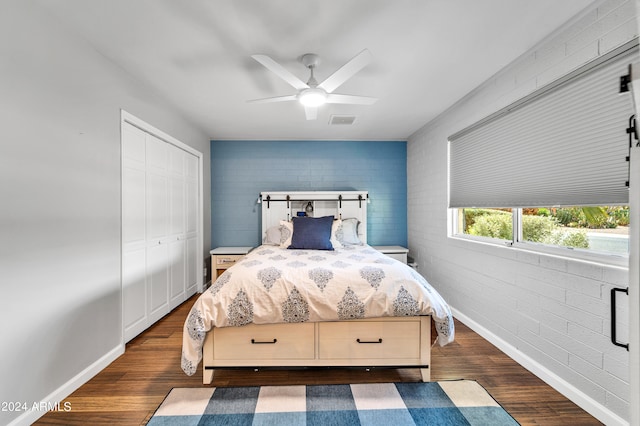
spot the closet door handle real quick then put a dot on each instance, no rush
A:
(614, 338)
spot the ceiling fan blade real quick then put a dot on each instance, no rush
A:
(346, 71)
(274, 99)
(311, 112)
(280, 71)
(334, 98)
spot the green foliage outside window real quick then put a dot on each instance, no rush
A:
(593, 217)
(535, 228)
(489, 223)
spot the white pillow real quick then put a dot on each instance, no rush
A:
(286, 232)
(348, 232)
(335, 227)
(273, 236)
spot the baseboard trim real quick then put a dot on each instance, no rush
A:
(55, 397)
(584, 401)
(206, 286)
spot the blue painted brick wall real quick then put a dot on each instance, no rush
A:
(240, 170)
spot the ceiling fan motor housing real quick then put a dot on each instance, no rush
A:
(310, 60)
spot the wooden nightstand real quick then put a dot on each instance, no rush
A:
(224, 257)
(397, 252)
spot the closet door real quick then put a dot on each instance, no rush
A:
(134, 275)
(157, 201)
(160, 229)
(177, 226)
(192, 174)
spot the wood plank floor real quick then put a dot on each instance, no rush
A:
(129, 390)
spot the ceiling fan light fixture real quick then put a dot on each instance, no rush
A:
(312, 97)
(312, 94)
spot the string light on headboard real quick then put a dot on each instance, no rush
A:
(309, 208)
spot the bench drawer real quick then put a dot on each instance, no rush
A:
(370, 340)
(277, 341)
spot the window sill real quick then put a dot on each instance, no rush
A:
(570, 254)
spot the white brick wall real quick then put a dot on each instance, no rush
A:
(553, 311)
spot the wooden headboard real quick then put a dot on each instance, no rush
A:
(280, 205)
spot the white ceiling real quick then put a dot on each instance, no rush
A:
(427, 54)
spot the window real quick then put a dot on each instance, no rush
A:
(486, 223)
(601, 229)
(565, 145)
(596, 230)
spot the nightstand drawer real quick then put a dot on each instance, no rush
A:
(223, 261)
(395, 252)
(402, 257)
(223, 258)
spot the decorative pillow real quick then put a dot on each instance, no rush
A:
(273, 235)
(286, 232)
(313, 233)
(348, 233)
(335, 227)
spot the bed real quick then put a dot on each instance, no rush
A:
(315, 294)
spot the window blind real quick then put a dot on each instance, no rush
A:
(564, 147)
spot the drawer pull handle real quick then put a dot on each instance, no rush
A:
(365, 341)
(255, 342)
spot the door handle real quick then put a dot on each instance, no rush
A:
(614, 338)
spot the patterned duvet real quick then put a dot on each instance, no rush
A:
(277, 285)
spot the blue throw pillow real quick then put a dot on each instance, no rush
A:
(312, 233)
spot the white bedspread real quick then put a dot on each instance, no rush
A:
(277, 285)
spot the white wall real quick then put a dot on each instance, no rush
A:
(60, 289)
(550, 313)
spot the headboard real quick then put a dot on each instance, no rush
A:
(279, 205)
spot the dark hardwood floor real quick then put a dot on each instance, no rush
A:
(129, 390)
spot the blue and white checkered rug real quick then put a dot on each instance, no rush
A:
(459, 402)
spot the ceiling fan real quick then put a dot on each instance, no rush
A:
(311, 94)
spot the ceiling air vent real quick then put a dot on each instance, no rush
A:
(341, 119)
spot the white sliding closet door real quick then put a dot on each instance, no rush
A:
(177, 226)
(157, 221)
(134, 235)
(193, 276)
(160, 229)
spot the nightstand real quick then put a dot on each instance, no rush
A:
(224, 257)
(396, 252)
